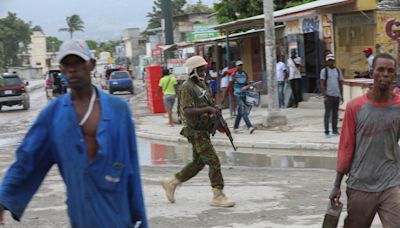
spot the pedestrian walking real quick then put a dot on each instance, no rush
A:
(91, 137)
(369, 153)
(213, 80)
(281, 78)
(331, 79)
(168, 86)
(294, 64)
(224, 83)
(198, 118)
(230, 92)
(238, 80)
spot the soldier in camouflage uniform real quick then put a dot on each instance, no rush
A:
(198, 117)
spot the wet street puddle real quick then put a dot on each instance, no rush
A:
(155, 154)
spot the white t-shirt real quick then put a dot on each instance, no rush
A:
(370, 62)
(224, 82)
(213, 74)
(280, 71)
(294, 72)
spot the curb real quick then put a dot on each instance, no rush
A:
(246, 145)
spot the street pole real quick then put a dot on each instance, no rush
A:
(274, 117)
(166, 8)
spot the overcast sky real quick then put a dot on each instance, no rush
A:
(103, 19)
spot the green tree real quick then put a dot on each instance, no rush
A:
(53, 44)
(37, 28)
(15, 36)
(199, 7)
(156, 15)
(296, 3)
(75, 24)
(92, 44)
(231, 10)
(108, 46)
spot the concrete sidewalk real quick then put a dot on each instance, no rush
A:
(303, 132)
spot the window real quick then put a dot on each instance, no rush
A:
(120, 75)
(12, 81)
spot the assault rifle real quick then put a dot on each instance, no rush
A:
(220, 123)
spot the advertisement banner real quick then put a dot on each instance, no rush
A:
(178, 66)
(202, 31)
(388, 33)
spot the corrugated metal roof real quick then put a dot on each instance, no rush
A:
(288, 11)
(309, 6)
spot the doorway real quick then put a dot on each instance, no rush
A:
(312, 62)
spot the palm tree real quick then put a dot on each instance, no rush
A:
(74, 24)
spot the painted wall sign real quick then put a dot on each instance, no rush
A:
(311, 24)
(388, 33)
(293, 27)
(392, 28)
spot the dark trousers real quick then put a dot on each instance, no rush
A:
(363, 206)
(242, 112)
(331, 110)
(281, 94)
(295, 85)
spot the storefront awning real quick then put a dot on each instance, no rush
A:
(281, 15)
(232, 37)
(306, 9)
(168, 47)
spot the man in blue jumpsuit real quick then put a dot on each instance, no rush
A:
(91, 137)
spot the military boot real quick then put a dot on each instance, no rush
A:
(169, 186)
(220, 200)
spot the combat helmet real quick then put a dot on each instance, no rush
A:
(194, 62)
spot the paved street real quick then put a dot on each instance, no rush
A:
(265, 196)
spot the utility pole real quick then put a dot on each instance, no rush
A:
(166, 7)
(274, 117)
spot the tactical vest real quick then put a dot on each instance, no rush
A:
(196, 125)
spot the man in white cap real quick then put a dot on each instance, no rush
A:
(198, 118)
(91, 137)
(331, 79)
(237, 81)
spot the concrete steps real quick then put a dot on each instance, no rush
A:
(311, 101)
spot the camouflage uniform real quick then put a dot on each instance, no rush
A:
(196, 131)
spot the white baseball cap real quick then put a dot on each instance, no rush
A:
(330, 57)
(74, 47)
(238, 63)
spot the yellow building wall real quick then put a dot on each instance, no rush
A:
(366, 4)
(352, 35)
(388, 32)
(247, 59)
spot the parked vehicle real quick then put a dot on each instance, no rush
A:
(106, 76)
(120, 81)
(56, 84)
(13, 92)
